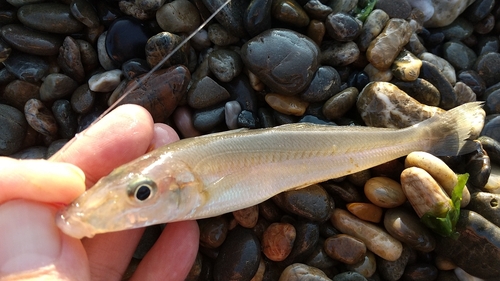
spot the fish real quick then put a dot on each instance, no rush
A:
(214, 174)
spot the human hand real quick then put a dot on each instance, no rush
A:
(31, 191)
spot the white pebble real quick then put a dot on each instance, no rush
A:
(106, 81)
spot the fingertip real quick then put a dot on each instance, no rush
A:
(163, 134)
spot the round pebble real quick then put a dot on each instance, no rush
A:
(406, 66)
(289, 105)
(205, 93)
(178, 16)
(213, 231)
(49, 17)
(12, 129)
(56, 86)
(302, 272)
(421, 90)
(339, 104)
(393, 270)
(366, 211)
(232, 110)
(65, 117)
(345, 248)
(339, 53)
(277, 241)
(207, 119)
(30, 41)
(106, 81)
(126, 39)
(384, 192)
(290, 12)
(40, 118)
(225, 65)
(18, 92)
(247, 217)
(325, 83)
(29, 68)
(162, 44)
(83, 99)
(487, 66)
(342, 27)
(311, 202)
(70, 59)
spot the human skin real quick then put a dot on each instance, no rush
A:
(31, 192)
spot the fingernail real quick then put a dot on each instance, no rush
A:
(29, 238)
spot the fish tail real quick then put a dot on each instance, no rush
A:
(452, 132)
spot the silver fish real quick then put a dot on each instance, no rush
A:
(218, 173)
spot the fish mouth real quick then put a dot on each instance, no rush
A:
(70, 223)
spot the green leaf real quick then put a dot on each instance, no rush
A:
(444, 224)
(362, 13)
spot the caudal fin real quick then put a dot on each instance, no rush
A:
(452, 133)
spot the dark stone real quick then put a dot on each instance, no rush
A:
(246, 119)
(431, 73)
(135, 67)
(65, 118)
(311, 202)
(70, 59)
(487, 44)
(395, 8)
(306, 239)
(459, 55)
(358, 79)
(29, 68)
(325, 83)
(225, 65)
(290, 13)
(30, 41)
(239, 256)
(205, 93)
(40, 117)
(162, 44)
(487, 205)
(83, 11)
(478, 10)
(349, 276)
(7, 16)
(317, 10)
(491, 128)
(231, 16)
(479, 168)
(126, 39)
(492, 101)
(339, 53)
(492, 147)
(488, 68)
(477, 248)
(258, 17)
(393, 270)
(82, 99)
(207, 119)
(473, 80)
(49, 17)
(339, 104)
(12, 129)
(342, 27)
(421, 90)
(213, 231)
(18, 92)
(56, 86)
(420, 272)
(283, 59)
(241, 91)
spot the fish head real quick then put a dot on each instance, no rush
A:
(149, 190)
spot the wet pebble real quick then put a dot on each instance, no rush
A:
(472, 79)
(317, 10)
(379, 102)
(395, 9)
(372, 27)
(459, 55)
(366, 211)
(342, 27)
(490, 128)
(232, 110)
(384, 192)
(29, 68)
(258, 16)
(134, 67)
(366, 267)
(325, 83)
(40, 118)
(345, 248)
(162, 44)
(492, 147)
(83, 11)
(405, 226)
(183, 120)
(65, 117)
(18, 92)
(421, 90)
(12, 129)
(478, 166)
(161, 92)
(49, 17)
(207, 119)
(178, 16)
(220, 36)
(459, 29)
(225, 65)
(56, 86)
(349, 276)
(302, 272)
(231, 16)
(487, 205)
(239, 256)
(393, 270)
(205, 93)
(30, 41)
(213, 231)
(375, 238)
(431, 73)
(82, 99)
(311, 202)
(488, 68)
(289, 12)
(339, 53)
(406, 66)
(442, 65)
(316, 30)
(106, 81)
(376, 74)
(126, 39)
(289, 105)
(70, 59)
(247, 217)
(293, 60)
(339, 104)
(277, 241)
(386, 46)
(464, 93)
(306, 239)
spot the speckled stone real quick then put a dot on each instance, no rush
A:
(49, 17)
(287, 50)
(224, 64)
(299, 272)
(70, 59)
(342, 27)
(161, 44)
(339, 53)
(247, 217)
(311, 202)
(30, 41)
(488, 68)
(56, 86)
(289, 12)
(220, 36)
(325, 83)
(29, 68)
(339, 104)
(371, 105)
(40, 118)
(82, 99)
(345, 248)
(12, 129)
(277, 241)
(178, 16)
(65, 117)
(18, 92)
(393, 270)
(372, 27)
(406, 66)
(205, 93)
(421, 90)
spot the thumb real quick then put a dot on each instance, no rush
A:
(32, 247)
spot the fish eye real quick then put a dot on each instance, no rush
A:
(141, 190)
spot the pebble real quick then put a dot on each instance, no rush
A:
(459, 55)
(487, 66)
(49, 17)
(344, 190)
(366, 267)
(487, 205)
(492, 147)
(205, 93)
(478, 166)
(421, 90)
(231, 16)
(207, 119)
(65, 117)
(339, 53)
(342, 27)
(302, 272)
(379, 102)
(366, 211)
(102, 55)
(384, 192)
(293, 60)
(126, 39)
(30, 41)
(404, 225)
(316, 30)
(183, 120)
(289, 105)
(395, 9)
(349, 276)
(443, 12)
(375, 238)
(431, 73)
(55, 146)
(220, 36)
(161, 92)
(26, 67)
(224, 64)
(490, 128)
(18, 92)
(378, 75)
(472, 79)
(258, 17)
(134, 67)
(213, 231)
(443, 66)
(239, 256)
(70, 59)
(325, 83)
(83, 99)
(406, 66)
(386, 46)
(12, 129)
(339, 104)
(420, 272)
(40, 118)
(458, 30)
(345, 248)
(393, 270)
(306, 239)
(246, 119)
(311, 202)
(372, 27)
(178, 16)
(247, 217)
(56, 86)
(277, 241)
(84, 12)
(34, 152)
(487, 44)
(232, 109)
(320, 259)
(162, 44)
(464, 93)
(289, 12)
